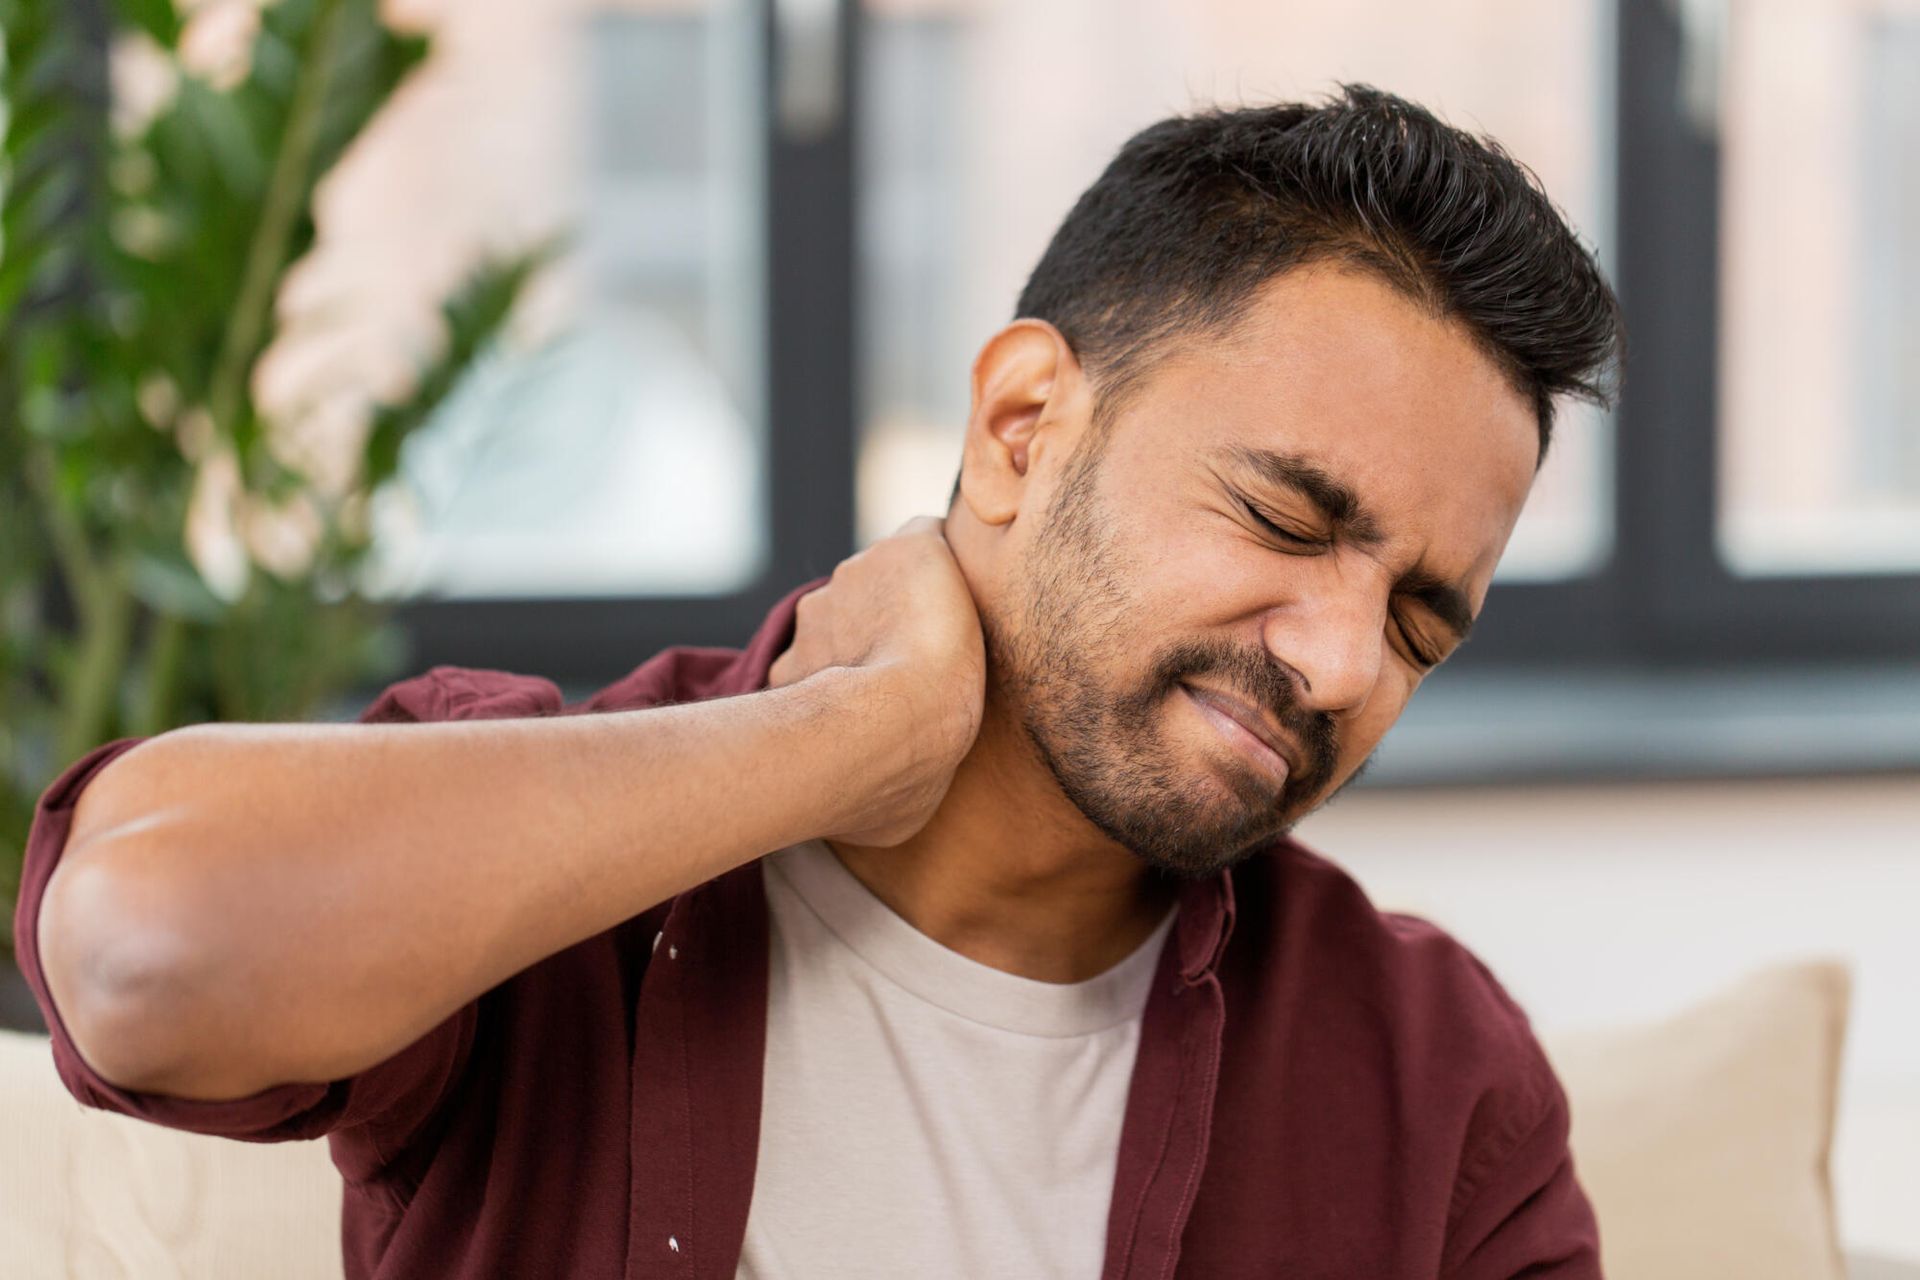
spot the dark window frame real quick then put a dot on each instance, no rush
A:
(1665, 601)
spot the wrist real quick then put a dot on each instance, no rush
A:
(843, 729)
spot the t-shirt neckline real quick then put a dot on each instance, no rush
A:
(959, 984)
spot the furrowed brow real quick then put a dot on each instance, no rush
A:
(1336, 500)
(1342, 508)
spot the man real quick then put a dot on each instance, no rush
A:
(1034, 982)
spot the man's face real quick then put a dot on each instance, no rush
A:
(1284, 530)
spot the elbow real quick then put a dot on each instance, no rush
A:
(116, 973)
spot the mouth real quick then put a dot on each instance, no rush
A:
(1246, 730)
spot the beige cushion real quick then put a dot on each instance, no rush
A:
(1703, 1139)
(88, 1195)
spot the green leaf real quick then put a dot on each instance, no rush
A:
(41, 149)
(158, 18)
(104, 622)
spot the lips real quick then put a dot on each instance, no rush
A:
(1252, 721)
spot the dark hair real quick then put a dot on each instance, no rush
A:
(1197, 212)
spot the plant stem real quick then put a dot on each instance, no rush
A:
(87, 707)
(155, 710)
(102, 606)
(280, 210)
(66, 534)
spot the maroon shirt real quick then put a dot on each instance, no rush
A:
(1322, 1089)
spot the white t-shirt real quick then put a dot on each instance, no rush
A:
(923, 1114)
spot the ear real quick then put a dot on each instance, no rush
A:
(1030, 404)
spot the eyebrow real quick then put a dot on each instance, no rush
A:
(1335, 499)
(1343, 509)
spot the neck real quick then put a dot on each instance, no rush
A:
(1009, 873)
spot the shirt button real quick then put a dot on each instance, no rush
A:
(673, 1244)
(673, 952)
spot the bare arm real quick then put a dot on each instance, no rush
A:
(246, 905)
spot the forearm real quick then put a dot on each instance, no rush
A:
(241, 905)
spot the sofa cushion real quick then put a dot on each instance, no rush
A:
(87, 1194)
(1703, 1138)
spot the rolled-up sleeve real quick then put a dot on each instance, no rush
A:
(372, 1114)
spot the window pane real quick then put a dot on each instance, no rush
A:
(618, 449)
(1820, 287)
(977, 135)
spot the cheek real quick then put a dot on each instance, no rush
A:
(1204, 571)
(1362, 733)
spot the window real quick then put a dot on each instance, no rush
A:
(1819, 124)
(1725, 326)
(610, 485)
(619, 451)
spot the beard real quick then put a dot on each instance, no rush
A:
(1109, 749)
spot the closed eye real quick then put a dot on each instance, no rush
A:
(1273, 528)
(1415, 649)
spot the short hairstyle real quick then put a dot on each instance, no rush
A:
(1196, 212)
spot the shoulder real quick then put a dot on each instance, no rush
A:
(1398, 999)
(1309, 913)
(1382, 1052)
(684, 673)
(463, 693)
(681, 674)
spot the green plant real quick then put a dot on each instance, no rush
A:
(138, 274)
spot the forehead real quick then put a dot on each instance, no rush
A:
(1331, 364)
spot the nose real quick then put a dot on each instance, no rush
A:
(1334, 641)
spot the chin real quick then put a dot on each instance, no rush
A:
(1214, 826)
(1198, 864)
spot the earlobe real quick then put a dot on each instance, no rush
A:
(1023, 407)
